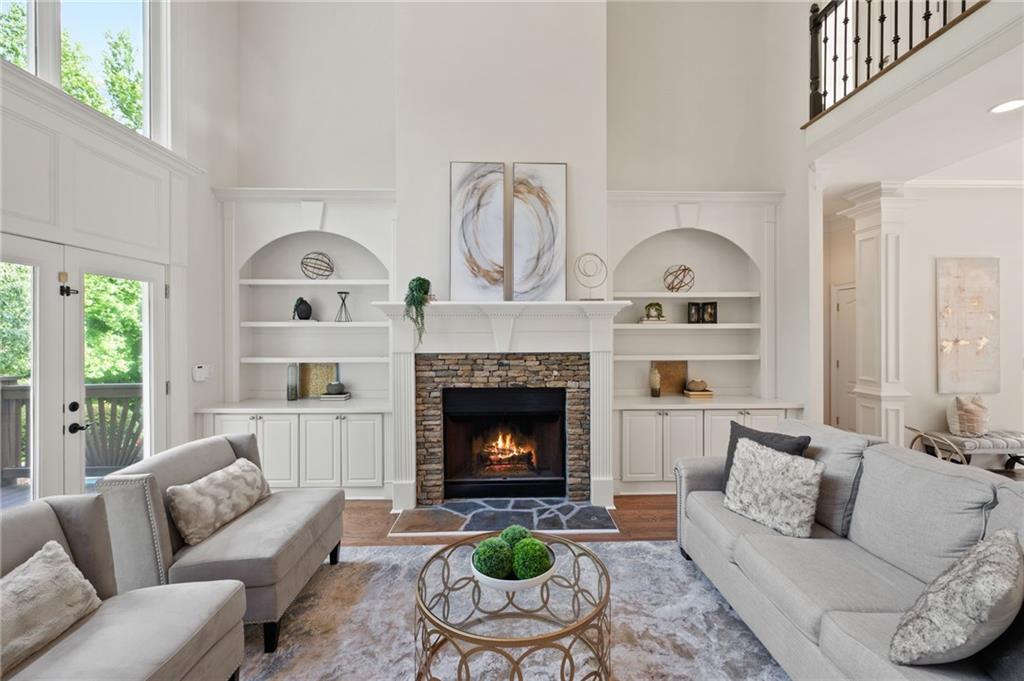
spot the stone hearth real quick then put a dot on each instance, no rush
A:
(434, 372)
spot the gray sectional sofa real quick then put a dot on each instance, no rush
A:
(178, 632)
(273, 548)
(889, 520)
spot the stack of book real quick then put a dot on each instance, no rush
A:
(698, 393)
(336, 398)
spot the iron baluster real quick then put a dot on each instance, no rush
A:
(856, 44)
(895, 31)
(816, 101)
(846, 42)
(881, 35)
(867, 61)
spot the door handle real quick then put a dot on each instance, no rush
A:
(75, 427)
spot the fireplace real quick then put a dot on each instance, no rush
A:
(504, 442)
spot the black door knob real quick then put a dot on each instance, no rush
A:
(73, 406)
(75, 427)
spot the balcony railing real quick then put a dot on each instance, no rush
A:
(854, 42)
(113, 441)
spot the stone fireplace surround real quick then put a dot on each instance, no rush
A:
(437, 371)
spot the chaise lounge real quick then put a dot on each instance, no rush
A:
(273, 548)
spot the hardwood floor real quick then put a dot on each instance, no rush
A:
(640, 518)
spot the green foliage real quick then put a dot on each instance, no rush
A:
(113, 330)
(493, 557)
(530, 558)
(13, 43)
(15, 320)
(513, 534)
(123, 79)
(416, 298)
(75, 78)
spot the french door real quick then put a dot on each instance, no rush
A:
(92, 389)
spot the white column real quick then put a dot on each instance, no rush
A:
(403, 418)
(602, 482)
(879, 214)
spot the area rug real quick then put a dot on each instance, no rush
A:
(483, 515)
(354, 621)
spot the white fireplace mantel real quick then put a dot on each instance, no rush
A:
(504, 326)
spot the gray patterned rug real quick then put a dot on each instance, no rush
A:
(353, 621)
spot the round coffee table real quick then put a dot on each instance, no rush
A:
(558, 630)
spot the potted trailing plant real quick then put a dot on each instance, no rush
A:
(416, 297)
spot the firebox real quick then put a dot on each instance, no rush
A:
(504, 442)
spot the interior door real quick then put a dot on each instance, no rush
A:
(843, 354)
(114, 371)
(31, 460)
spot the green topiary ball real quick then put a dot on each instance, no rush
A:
(493, 557)
(513, 534)
(530, 558)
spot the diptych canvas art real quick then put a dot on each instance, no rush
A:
(967, 297)
(538, 217)
(477, 231)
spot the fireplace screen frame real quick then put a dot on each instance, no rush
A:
(515, 402)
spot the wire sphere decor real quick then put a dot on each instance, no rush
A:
(590, 272)
(678, 278)
(317, 265)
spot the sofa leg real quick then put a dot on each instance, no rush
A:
(236, 675)
(685, 554)
(333, 555)
(270, 634)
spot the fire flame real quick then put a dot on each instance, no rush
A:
(505, 448)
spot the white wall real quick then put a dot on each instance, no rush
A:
(317, 104)
(497, 82)
(839, 269)
(963, 223)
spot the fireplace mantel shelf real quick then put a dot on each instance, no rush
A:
(509, 307)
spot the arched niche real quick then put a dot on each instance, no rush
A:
(719, 264)
(280, 258)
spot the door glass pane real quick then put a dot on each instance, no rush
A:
(15, 384)
(115, 373)
(14, 33)
(102, 50)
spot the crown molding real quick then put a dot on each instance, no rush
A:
(304, 194)
(965, 184)
(645, 196)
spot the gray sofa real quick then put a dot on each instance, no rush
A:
(889, 520)
(179, 631)
(273, 548)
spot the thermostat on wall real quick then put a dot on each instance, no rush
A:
(200, 372)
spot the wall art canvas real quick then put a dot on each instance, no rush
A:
(967, 297)
(538, 219)
(477, 231)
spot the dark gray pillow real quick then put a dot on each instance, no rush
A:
(787, 444)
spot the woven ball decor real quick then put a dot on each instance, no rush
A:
(317, 265)
(678, 278)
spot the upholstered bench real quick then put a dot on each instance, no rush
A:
(1008, 443)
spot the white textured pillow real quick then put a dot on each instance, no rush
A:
(200, 508)
(39, 600)
(967, 418)
(966, 608)
(775, 489)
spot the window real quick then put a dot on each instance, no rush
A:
(107, 54)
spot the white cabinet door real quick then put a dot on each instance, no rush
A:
(764, 419)
(684, 437)
(320, 450)
(362, 450)
(717, 426)
(279, 449)
(642, 451)
(225, 424)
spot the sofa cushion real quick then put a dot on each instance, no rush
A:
(780, 443)
(707, 511)
(858, 644)
(805, 578)
(841, 452)
(158, 632)
(917, 512)
(199, 508)
(261, 546)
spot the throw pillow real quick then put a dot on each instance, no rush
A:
(775, 489)
(967, 418)
(787, 444)
(200, 508)
(966, 608)
(39, 600)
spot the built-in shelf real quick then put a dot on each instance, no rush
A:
(702, 295)
(314, 360)
(314, 325)
(647, 328)
(306, 405)
(700, 403)
(314, 282)
(687, 358)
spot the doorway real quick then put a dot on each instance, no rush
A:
(842, 356)
(82, 375)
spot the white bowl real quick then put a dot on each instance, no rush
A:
(514, 584)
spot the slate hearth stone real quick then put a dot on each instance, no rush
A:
(428, 520)
(498, 503)
(552, 502)
(484, 521)
(589, 518)
(463, 507)
(566, 509)
(551, 521)
(523, 504)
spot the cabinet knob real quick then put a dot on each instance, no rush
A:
(252, 418)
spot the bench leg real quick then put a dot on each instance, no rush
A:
(685, 554)
(333, 555)
(236, 675)
(271, 630)
(1012, 461)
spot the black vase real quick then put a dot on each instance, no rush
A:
(302, 310)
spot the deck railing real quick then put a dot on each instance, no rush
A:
(853, 42)
(113, 441)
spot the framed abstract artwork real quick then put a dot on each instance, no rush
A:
(967, 316)
(538, 231)
(477, 196)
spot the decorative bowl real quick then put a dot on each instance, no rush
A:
(514, 584)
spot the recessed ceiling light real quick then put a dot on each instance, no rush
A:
(1011, 105)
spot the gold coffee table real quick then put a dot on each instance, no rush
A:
(559, 630)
